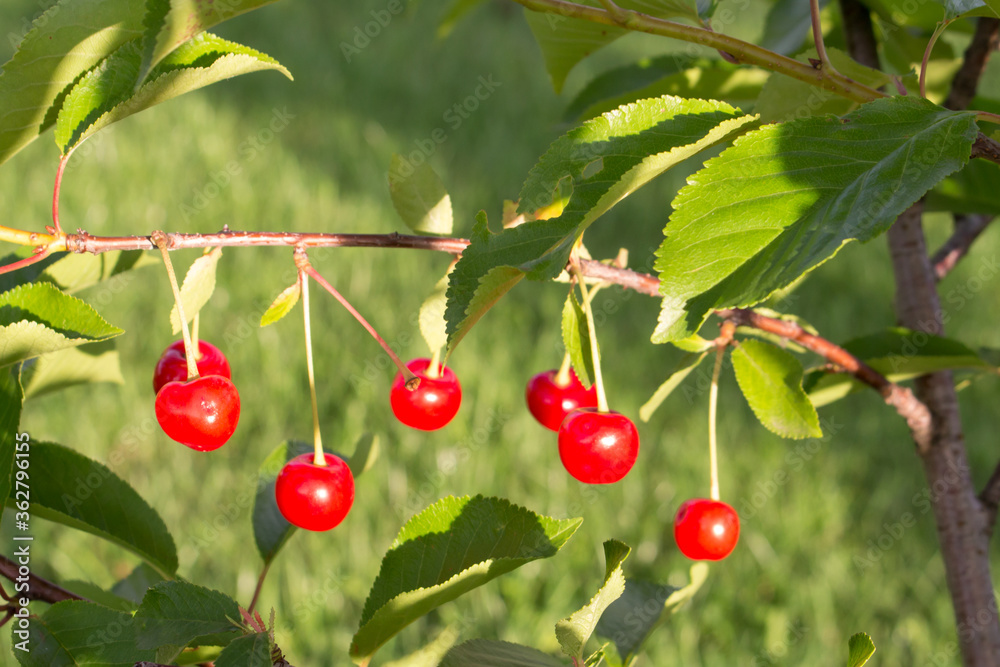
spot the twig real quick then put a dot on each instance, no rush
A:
(38, 588)
(917, 417)
(859, 33)
(963, 86)
(986, 148)
(990, 498)
(967, 229)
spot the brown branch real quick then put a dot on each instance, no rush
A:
(990, 498)
(963, 86)
(986, 148)
(917, 417)
(967, 229)
(38, 588)
(859, 32)
(84, 242)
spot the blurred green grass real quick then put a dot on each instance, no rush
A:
(792, 592)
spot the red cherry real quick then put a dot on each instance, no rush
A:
(706, 529)
(431, 405)
(200, 413)
(550, 402)
(598, 447)
(172, 366)
(315, 497)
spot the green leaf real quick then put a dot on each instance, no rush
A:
(419, 197)
(771, 380)
(68, 488)
(75, 632)
(687, 363)
(38, 318)
(67, 40)
(607, 159)
(566, 41)
(622, 80)
(643, 606)
(787, 26)
(95, 593)
(282, 304)
(134, 586)
(784, 98)
(785, 198)
(248, 651)
(897, 353)
(490, 653)
(177, 612)
(448, 549)
(199, 283)
(72, 272)
(366, 451)
(576, 338)
(975, 189)
(432, 324)
(596, 658)
(431, 654)
(93, 362)
(170, 23)
(861, 649)
(574, 631)
(108, 94)
(11, 402)
(270, 529)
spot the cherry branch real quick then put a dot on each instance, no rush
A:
(916, 414)
(963, 86)
(967, 230)
(990, 499)
(742, 51)
(38, 588)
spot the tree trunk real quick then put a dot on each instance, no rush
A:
(963, 525)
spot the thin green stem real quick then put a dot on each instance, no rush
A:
(434, 368)
(742, 51)
(938, 31)
(407, 373)
(595, 350)
(319, 459)
(562, 377)
(817, 28)
(160, 240)
(713, 401)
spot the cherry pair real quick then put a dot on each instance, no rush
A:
(199, 412)
(595, 447)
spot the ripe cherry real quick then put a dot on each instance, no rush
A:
(706, 529)
(432, 404)
(201, 413)
(315, 497)
(550, 402)
(172, 366)
(598, 447)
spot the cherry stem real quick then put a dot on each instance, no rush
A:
(260, 585)
(407, 373)
(159, 238)
(434, 368)
(817, 28)
(562, 377)
(318, 459)
(595, 351)
(713, 400)
(938, 31)
(55, 194)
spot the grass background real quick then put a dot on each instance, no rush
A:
(791, 593)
